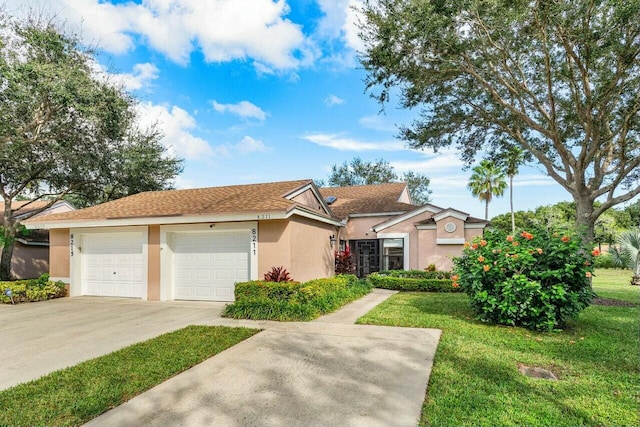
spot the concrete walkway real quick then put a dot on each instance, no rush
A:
(322, 373)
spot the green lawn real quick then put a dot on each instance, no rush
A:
(74, 395)
(614, 284)
(475, 379)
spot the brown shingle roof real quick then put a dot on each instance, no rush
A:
(199, 201)
(21, 207)
(360, 199)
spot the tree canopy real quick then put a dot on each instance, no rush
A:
(361, 172)
(558, 78)
(64, 131)
(562, 216)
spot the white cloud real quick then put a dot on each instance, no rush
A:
(142, 76)
(176, 125)
(340, 22)
(376, 122)
(249, 145)
(332, 100)
(341, 143)
(430, 163)
(223, 30)
(244, 109)
(533, 181)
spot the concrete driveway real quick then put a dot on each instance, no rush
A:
(327, 372)
(42, 337)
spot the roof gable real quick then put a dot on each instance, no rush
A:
(368, 199)
(400, 218)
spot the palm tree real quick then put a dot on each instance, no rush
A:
(486, 182)
(511, 160)
(629, 242)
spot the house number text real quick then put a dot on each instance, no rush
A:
(254, 240)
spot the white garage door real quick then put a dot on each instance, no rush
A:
(112, 264)
(207, 265)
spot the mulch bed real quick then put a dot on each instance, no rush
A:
(613, 302)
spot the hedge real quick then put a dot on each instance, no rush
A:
(293, 301)
(417, 274)
(398, 283)
(32, 290)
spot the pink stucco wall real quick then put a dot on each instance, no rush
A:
(360, 227)
(300, 245)
(274, 249)
(59, 260)
(429, 252)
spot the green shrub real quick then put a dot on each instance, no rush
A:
(380, 280)
(417, 274)
(604, 261)
(536, 280)
(291, 301)
(32, 290)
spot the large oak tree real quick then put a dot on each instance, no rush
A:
(558, 78)
(64, 131)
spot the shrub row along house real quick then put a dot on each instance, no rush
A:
(196, 244)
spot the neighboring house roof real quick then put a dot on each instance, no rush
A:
(199, 202)
(365, 199)
(23, 207)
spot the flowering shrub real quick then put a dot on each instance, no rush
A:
(537, 280)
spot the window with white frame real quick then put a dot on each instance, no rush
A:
(392, 254)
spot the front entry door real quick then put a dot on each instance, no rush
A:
(367, 254)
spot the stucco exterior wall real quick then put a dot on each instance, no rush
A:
(441, 255)
(459, 232)
(408, 227)
(29, 261)
(274, 248)
(312, 256)
(360, 227)
(153, 265)
(309, 199)
(59, 265)
(470, 233)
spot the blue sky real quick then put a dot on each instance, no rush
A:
(260, 90)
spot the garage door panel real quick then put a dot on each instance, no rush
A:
(206, 266)
(113, 264)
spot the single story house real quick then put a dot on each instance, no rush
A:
(196, 244)
(31, 251)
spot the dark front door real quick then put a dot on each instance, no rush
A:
(367, 255)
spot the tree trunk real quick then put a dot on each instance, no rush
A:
(7, 239)
(585, 222)
(5, 260)
(486, 210)
(513, 218)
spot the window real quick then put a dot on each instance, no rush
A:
(393, 254)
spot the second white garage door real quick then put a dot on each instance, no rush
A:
(207, 265)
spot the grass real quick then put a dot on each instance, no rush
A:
(74, 395)
(475, 378)
(614, 284)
